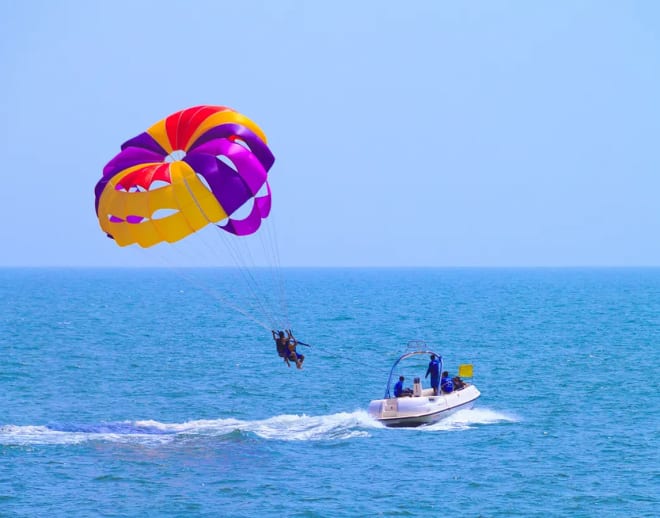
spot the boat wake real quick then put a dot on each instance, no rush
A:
(469, 418)
(282, 427)
(340, 426)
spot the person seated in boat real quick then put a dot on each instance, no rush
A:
(446, 384)
(399, 391)
(458, 383)
(434, 371)
(294, 355)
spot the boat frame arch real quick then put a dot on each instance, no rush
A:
(414, 348)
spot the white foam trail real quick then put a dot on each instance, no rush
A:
(24, 435)
(310, 428)
(468, 418)
(282, 427)
(340, 426)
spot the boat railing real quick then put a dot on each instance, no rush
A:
(416, 345)
(419, 348)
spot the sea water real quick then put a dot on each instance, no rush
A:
(133, 393)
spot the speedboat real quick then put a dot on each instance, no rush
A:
(421, 406)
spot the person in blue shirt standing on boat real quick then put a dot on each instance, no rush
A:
(446, 383)
(434, 371)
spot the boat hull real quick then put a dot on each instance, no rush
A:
(421, 410)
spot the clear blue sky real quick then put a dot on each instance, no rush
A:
(481, 133)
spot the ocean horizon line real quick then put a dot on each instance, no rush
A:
(332, 267)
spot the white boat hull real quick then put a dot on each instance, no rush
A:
(423, 409)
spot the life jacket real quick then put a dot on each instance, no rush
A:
(447, 385)
(282, 348)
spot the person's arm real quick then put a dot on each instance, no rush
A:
(292, 339)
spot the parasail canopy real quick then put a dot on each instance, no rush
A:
(199, 166)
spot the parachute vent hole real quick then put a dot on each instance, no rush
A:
(244, 210)
(134, 220)
(225, 160)
(163, 213)
(157, 184)
(175, 156)
(263, 191)
(203, 180)
(241, 142)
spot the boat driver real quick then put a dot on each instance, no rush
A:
(399, 391)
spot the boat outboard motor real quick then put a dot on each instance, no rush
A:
(417, 387)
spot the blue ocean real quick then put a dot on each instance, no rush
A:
(132, 392)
